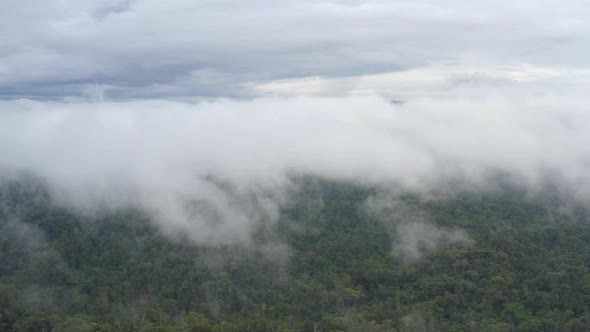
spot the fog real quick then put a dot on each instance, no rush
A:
(212, 171)
(413, 231)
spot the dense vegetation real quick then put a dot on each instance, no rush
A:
(526, 269)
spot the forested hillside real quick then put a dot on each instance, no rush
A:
(519, 263)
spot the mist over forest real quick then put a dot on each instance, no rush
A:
(305, 214)
(213, 170)
(331, 165)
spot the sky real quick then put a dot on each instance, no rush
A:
(203, 114)
(186, 49)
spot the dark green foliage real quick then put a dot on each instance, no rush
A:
(526, 270)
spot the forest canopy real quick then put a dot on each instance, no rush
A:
(341, 257)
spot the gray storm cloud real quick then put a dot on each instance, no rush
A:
(213, 170)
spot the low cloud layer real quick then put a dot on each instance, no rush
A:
(213, 170)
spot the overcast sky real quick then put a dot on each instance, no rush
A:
(133, 49)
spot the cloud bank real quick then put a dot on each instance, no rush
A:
(213, 170)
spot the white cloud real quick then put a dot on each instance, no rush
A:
(435, 80)
(212, 170)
